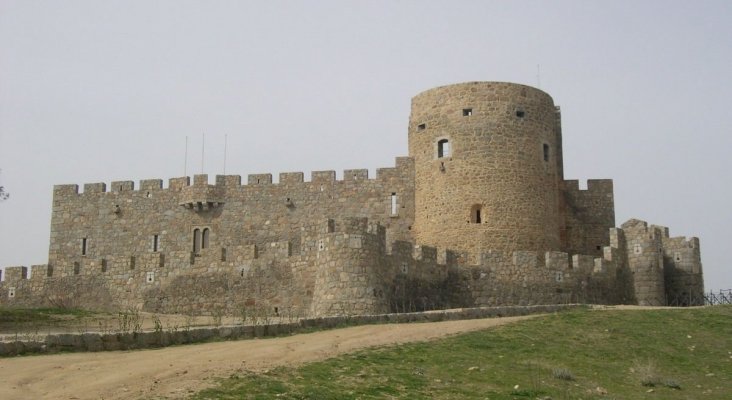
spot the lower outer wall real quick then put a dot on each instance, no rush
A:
(273, 289)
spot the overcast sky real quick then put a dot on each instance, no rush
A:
(96, 91)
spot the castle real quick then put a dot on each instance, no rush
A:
(478, 214)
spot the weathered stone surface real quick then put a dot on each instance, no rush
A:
(478, 214)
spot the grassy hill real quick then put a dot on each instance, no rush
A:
(613, 354)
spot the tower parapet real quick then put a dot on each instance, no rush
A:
(645, 259)
(683, 271)
(588, 215)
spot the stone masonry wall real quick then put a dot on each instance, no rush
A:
(479, 214)
(350, 271)
(589, 214)
(683, 270)
(500, 147)
(127, 223)
(645, 260)
(346, 267)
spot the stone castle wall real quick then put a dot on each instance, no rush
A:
(587, 214)
(128, 222)
(346, 267)
(490, 149)
(479, 214)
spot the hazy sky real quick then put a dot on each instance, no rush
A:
(96, 91)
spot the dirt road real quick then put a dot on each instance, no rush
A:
(175, 372)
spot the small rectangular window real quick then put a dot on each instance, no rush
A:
(155, 243)
(546, 152)
(83, 246)
(467, 112)
(196, 240)
(421, 127)
(443, 148)
(393, 204)
(475, 214)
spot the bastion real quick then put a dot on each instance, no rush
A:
(478, 214)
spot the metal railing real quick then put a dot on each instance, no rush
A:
(723, 297)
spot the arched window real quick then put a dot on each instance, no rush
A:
(476, 216)
(204, 241)
(196, 240)
(443, 148)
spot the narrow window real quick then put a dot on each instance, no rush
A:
(204, 241)
(443, 148)
(196, 240)
(546, 152)
(520, 113)
(11, 292)
(421, 127)
(83, 246)
(467, 112)
(150, 278)
(77, 268)
(393, 204)
(475, 214)
(155, 243)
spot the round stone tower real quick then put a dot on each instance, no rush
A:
(488, 167)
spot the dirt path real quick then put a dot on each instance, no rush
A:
(175, 372)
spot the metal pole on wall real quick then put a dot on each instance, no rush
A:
(225, 140)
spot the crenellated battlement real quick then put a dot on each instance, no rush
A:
(594, 186)
(636, 229)
(682, 241)
(402, 165)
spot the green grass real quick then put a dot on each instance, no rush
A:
(662, 354)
